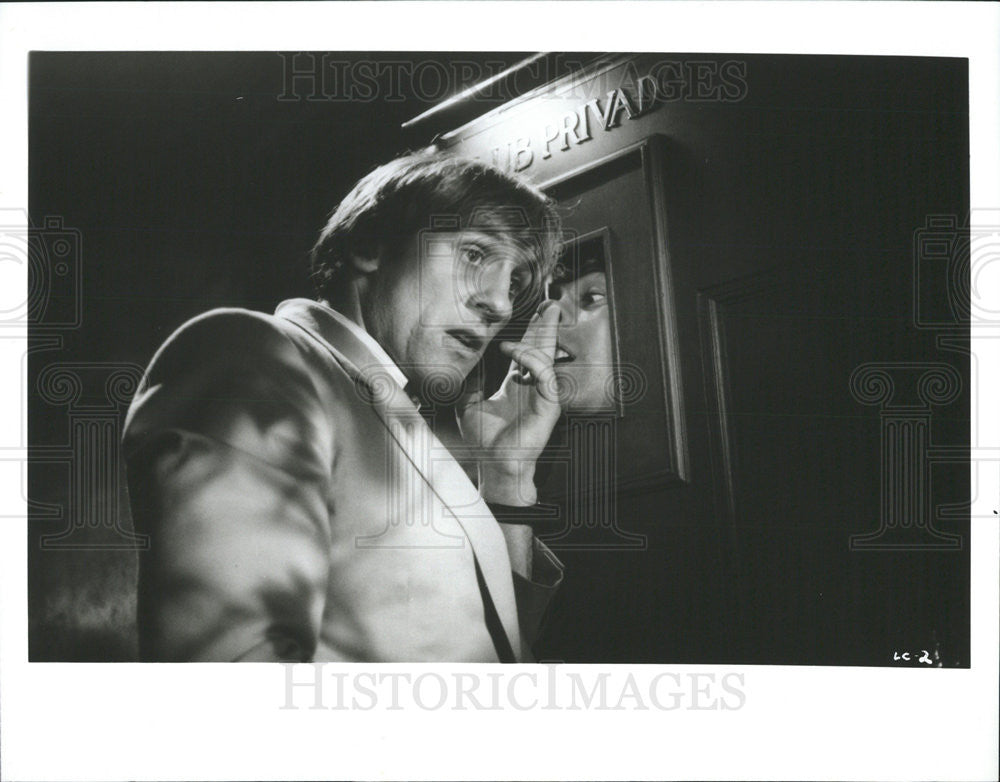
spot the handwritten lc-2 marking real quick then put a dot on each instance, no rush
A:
(925, 657)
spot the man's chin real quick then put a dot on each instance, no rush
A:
(444, 381)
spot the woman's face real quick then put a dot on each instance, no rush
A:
(584, 361)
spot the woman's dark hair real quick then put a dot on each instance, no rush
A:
(437, 191)
(579, 259)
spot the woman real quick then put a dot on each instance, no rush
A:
(584, 359)
(577, 469)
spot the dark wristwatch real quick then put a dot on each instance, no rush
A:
(541, 518)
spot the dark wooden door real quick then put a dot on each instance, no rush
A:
(789, 484)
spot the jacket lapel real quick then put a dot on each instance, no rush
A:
(445, 476)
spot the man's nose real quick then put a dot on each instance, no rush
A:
(490, 295)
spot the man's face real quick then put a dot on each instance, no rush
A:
(584, 358)
(436, 308)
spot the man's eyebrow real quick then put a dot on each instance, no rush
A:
(484, 241)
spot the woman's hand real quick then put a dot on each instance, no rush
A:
(511, 428)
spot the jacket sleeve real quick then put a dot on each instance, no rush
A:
(533, 595)
(229, 451)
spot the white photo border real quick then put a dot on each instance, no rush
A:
(132, 721)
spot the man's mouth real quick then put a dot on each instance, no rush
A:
(468, 339)
(562, 355)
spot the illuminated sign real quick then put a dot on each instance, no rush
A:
(667, 81)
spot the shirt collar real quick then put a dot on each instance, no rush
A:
(356, 344)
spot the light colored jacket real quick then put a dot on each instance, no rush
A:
(300, 508)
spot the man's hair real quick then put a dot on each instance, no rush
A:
(438, 191)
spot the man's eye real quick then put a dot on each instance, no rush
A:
(594, 297)
(473, 255)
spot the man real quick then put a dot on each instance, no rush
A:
(298, 505)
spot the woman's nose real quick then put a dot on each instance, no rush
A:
(560, 301)
(546, 305)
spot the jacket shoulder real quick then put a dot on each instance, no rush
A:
(229, 335)
(229, 369)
